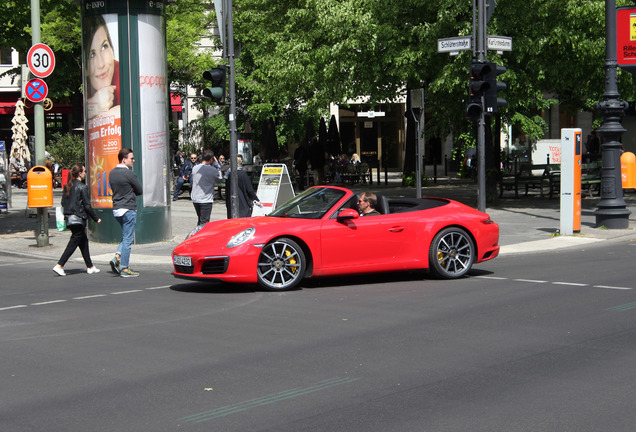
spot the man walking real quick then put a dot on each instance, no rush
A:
(245, 192)
(204, 176)
(185, 171)
(125, 186)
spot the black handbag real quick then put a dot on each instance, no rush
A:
(74, 220)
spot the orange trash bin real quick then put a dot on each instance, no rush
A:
(628, 170)
(39, 187)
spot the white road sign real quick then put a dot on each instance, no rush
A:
(499, 43)
(454, 44)
(41, 60)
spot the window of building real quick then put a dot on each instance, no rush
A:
(54, 122)
(5, 55)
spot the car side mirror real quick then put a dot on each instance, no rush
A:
(347, 214)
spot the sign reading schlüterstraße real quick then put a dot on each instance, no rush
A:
(453, 44)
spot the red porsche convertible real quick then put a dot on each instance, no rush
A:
(320, 233)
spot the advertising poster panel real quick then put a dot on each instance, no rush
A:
(154, 104)
(274, 188)
(626, 38)
(245, 150)
(102, 102)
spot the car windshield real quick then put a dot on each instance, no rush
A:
(311, 204)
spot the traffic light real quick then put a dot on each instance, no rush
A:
(216, 91)
(492, 102)
(477, 88)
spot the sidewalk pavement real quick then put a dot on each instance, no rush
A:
(527, 224)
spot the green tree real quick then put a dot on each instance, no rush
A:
(67, 149)
(187, 21)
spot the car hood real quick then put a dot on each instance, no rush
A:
(217, 234)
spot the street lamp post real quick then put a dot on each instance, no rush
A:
(612, 211)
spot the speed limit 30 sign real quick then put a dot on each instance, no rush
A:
(41, 60)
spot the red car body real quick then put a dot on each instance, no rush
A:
(334, 240)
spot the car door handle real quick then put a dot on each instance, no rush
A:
(396, 229)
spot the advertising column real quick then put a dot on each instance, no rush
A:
(125, 68)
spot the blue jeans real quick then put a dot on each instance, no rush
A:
(177, 188)
(127, 222)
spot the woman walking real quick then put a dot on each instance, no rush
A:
(77, 208)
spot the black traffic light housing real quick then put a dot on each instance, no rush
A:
(216, 91)
(477, 88)
(491, 100)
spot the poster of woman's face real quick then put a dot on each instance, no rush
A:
(102, 103)
(101, 60)
(101, 67)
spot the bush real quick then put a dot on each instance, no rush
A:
(411, 179)
(67, 149)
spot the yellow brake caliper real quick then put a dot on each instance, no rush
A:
(291, 261)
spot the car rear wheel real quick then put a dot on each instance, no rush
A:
(281, 265)
(452, 253)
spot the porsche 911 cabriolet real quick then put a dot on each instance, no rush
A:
(321, 233)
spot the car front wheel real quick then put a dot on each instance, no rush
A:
(281, 265)
(452, 253)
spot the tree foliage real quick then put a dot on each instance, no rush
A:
(304, 54)
(67, 149)
(297, 56)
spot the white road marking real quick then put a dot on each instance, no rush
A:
(530, 280)
(611, 287)
(13, 307)
(89, 297)
(577, 284)
(47, 302)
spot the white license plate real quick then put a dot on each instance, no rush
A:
(182, 261)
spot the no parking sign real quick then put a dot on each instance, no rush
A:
(36, 90)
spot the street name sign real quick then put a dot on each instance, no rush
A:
(499, 43)
(371, 114)
(454, 45)
(41, 60)
(36, 90)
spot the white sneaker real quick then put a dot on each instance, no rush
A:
(92, 270)
(59, 270)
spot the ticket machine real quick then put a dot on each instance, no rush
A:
(570, 181)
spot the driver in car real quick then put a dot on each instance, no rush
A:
(367, 204)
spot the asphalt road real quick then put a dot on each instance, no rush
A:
(541, 342)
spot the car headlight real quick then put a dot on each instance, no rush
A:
(194, 231)
(241, 237)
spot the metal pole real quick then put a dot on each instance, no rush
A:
(481, 134)
(42, 229)
(233, 132)
(612, 210)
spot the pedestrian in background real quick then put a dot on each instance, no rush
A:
(245, 193)
(317, 159)
(185, 171)
(301, 157)
(126, 187)
(204, 177)
(77, 208)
